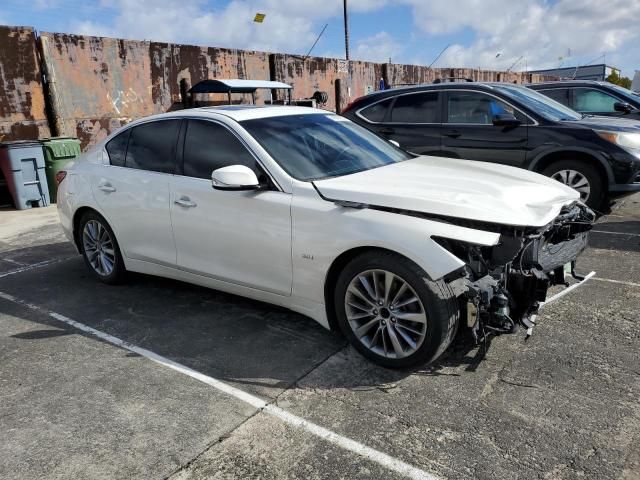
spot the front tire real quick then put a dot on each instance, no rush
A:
(580, 176)
(392, 313)
(100, 249)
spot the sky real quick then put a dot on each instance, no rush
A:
(489, 34)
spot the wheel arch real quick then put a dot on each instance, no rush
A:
(77, 216)
(545, 159)
(336, 267)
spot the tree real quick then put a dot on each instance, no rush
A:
(618, 80)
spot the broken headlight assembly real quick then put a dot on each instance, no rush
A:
(502, 287)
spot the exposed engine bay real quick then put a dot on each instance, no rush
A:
(503, 286)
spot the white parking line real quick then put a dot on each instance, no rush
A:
(346, 443)
(621, 282)
(616, 233)
(26, 268)
(567, 290)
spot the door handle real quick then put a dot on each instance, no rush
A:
(107, 187)
(185, 202)
(387, 131)
(452, 134)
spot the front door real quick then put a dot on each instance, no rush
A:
(242, 237)
(468, 131)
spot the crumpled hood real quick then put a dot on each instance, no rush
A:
(457, 188)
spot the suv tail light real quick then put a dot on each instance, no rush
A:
(60, 176)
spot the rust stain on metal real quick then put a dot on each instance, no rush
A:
(318, 73)
(22, 107)
(97, 84)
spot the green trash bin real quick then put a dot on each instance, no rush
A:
(58, 151)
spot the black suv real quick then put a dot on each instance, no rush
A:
(593, 98)
(512, 125)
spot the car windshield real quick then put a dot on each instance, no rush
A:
(312, 147)
(626, 92)
(539, 103)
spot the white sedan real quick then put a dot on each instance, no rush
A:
(302, 208)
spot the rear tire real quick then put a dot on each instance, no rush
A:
(581, 176)
(100, 249)
(392, 313)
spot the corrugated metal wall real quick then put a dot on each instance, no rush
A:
(94, 85)
(22, 104)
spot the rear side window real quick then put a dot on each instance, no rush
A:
(117, 148)
(377, 111)
(558, 94)
(209, 146)
(416, 108)
(590, 100)
(152, 146)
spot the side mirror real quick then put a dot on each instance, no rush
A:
(234, 177)
(622, 107)
(395, 143)
(505, 120)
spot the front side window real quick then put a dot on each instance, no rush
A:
(416, 108)
(377, 111)
(590, 100)
(477, 108)
(538, 103)
(152, 146)
(117, 148)
(315, 146)
(558, 94)
(209, 146)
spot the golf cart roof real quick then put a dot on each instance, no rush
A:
(235, 86)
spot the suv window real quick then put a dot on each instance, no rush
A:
(477, 108)
(117, 148)
(416, 108)
(558, 94)
(152, 146)
(209, 146)
(591, 100)
(377, 111)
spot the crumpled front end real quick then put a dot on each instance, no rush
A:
(504, 286)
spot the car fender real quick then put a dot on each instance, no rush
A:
(599, 158)
(321, 236)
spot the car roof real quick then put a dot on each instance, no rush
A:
(433, 86)
(238, 112)
(568, 83)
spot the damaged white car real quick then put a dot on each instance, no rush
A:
(304, 209)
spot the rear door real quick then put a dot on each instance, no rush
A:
(561, 95)
(468, 131)
(411, 119)
(133, 191)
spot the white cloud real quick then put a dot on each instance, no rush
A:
(377, 48)
(540, 30)
(290, 25)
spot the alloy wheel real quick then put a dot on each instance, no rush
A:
(98, 247)
(385, 313)
(575, 180)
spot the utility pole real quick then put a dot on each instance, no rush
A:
(346, 30)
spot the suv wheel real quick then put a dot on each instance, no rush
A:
(580, 176)
(392, 313)
(100, 248)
